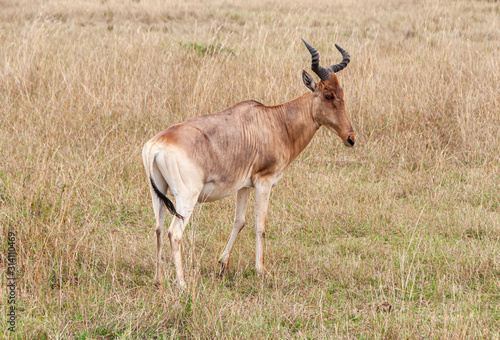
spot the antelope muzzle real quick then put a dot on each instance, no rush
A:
(349, 141)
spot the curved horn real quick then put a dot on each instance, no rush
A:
(346, 59)
(322, 72)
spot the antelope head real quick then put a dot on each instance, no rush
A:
(328, 107)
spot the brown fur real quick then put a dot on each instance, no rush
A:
(247, 145)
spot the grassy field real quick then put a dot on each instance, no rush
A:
(397, 238)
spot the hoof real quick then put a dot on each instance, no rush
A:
(223, 265)
(263, 271)
(222, 269)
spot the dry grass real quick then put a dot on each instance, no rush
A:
(398, 238)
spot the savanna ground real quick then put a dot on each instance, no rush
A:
(395, 238)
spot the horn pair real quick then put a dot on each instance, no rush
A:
(325, 73)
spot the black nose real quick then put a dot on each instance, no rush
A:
(350, 141)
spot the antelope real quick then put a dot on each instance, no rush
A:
(248, 145)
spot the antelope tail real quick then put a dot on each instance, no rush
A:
(168, 203)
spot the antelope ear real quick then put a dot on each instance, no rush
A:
(308, 81)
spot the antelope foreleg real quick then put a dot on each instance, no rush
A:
(239, 223)
(262, 193)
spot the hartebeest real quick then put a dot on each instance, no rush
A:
(247, 145)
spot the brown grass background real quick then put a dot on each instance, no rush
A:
(397, 238)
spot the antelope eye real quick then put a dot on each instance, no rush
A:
(329, 96)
